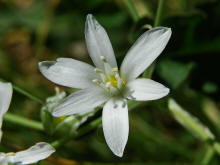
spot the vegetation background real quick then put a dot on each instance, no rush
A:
(37, 30)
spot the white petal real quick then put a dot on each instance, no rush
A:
(68, 72)
(98, 43)
(146, 89)
(115, 125)
(5, 99)
(33, 154)
(3, 159)
(82, 101)
(144, 51)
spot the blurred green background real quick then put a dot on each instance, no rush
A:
(37, 30)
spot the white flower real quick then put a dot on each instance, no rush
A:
(5, 100)
(33, 154)
(105, 84)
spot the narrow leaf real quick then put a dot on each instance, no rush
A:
(190, 122)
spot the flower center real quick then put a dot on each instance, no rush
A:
(113, 81)
(109, 77)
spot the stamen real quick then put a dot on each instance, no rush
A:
(103, 59)
(97, 70)
(10, 154)
(114, 69)
(119, 81)
(108, 84)
(117, 77)
(96, 81)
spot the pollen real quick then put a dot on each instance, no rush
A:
(110, 78)
(113, 81)
(114, 69)
(123, 81)
(97, 70)
(103, 59)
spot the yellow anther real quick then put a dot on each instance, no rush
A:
(114, 69)
(117, 76)
(103, 58)
(123, 81)
(113, 81)
(97, 70)
(96, 81)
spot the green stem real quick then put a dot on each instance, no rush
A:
(216, 146)
(25, 93)
(23, 121)
(152, 134)
(207, 157)
(91, 126)
(132, 9)
(43, 29)
(149, 71)
(159, 13)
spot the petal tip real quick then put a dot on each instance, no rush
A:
(91, 23)
(45, 65)
(163, 30)
(167, 91)
(89, 16)
(39, 63)
(169, 30)
(119, 154)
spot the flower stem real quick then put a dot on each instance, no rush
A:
(23, 121)
(92, 125)
(148, 73)
(209, 154)
(129, 4)
(25, 93)
(159, 13)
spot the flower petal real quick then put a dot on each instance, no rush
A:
(82, 101)
(146, 89)
(33, 154)
(116, 125)
(5, 99)
(98, 43)
(144, 51)
(68, 72)
(3, 159)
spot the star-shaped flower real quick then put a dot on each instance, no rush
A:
(33, 154)
(105, 83)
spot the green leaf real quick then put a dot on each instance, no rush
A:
(216, 146)
(190, 122)
(211, 110)
(210, 87)
(174, 73)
